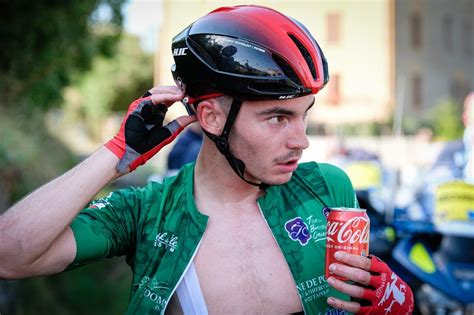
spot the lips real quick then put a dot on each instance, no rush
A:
(288, 166)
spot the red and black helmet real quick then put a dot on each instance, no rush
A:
(250, 53)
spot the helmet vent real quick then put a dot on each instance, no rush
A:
(286, 68)
(306, 55)
(202, 52)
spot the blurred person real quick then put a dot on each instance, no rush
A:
(242, 230)
(468, 137)
(185, 150)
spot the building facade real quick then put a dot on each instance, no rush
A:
(386, 57)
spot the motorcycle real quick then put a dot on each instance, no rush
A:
(436, 257)
(428, 241)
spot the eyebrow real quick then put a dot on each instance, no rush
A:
(282, 111)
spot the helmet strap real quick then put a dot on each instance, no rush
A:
(222, 144)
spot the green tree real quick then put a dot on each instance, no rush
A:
(110, 85)
(44, 42)
(445, 121)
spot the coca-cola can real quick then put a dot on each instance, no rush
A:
(347, 230)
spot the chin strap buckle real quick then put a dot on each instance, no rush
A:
(221, 144)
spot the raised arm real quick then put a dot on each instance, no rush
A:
(35, 238)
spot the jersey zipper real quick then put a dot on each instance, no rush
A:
(271, 231)
(182, 276)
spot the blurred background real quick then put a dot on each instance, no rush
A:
(400, 75)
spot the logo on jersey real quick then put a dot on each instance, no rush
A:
(326, 211)
(334, 311)
(101, 203)
(155, 291)
(298, 230)
(168, 241)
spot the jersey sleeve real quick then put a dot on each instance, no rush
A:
(339, 186)
(107, 227)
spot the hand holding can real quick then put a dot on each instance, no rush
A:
(348, 230)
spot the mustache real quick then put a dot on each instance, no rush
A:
(296, 153)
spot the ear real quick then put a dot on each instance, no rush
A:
(211, 116)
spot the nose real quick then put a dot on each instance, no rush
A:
(298, 138)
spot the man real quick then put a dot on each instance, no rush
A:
(468, 137)
(242, 230)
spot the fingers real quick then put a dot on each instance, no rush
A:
(164, 89)
(355, 268)
(184, 121)
(351, 307)
(354, 274)
(357, 261)
(166, 95)
(349, 289)
(352, 267)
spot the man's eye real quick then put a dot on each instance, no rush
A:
(275, 120)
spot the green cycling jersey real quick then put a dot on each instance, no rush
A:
(159, 229)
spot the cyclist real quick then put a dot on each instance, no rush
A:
(240, 231)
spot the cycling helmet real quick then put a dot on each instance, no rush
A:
(248, 52)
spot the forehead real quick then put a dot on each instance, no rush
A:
(296, 104)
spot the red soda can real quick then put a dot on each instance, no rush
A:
(347, 230)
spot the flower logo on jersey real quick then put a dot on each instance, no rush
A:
(326, 211)
(298, 230)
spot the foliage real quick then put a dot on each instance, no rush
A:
(365, 129)
(411, 124)
(29, 156)
(44, 42)
(110, 85)
(99, 288)
(445, 121)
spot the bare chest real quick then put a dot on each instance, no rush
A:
(242, 270)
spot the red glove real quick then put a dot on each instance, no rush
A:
(142, 134)
(391, 295)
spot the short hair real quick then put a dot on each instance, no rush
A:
(225, 102)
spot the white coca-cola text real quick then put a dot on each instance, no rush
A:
(349, 231)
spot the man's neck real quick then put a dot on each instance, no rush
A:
(215, 180)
